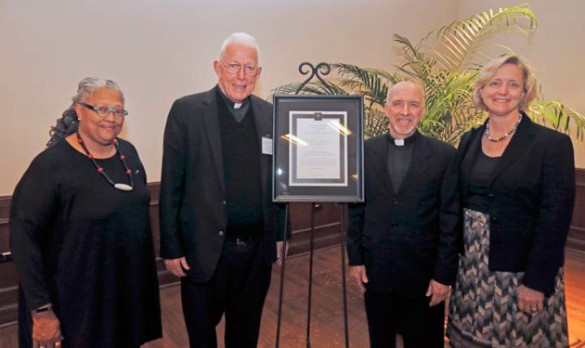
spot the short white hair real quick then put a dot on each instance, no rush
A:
(243, 39)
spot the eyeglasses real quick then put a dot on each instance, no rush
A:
(103, 111)
(249, 70)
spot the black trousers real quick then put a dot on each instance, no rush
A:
(238, 288)
(419, 324)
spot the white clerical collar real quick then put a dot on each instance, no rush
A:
(405, 141)
(237, 105)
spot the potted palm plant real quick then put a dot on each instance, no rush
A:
(446, 62)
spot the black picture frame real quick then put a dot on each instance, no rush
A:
(318, 148)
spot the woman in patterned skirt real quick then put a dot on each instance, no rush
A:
(516, 180)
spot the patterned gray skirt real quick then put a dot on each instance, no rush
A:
(483, 309)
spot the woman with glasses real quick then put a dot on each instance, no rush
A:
(80, 233)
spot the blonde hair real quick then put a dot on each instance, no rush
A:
(488, 71)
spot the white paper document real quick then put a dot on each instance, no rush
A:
(319, 158)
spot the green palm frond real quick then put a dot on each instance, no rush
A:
(459, 42)
(556, 115)
(368, 82)
(375, 123)
(289, 88)
(417, 65)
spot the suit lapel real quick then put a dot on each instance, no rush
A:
(213, 133)
(379, 161)
(471, 151)
(518, 144)
(262, 130)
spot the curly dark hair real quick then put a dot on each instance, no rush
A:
(65, 126)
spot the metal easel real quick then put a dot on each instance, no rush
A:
(315, 71)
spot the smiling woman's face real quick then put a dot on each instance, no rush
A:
(96, 129)
(502, 93)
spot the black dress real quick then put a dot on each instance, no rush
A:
(87, 248)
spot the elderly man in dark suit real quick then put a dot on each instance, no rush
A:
(219, 226)
(403, 240)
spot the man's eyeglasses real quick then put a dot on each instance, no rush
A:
(234, 68)
(103, 111)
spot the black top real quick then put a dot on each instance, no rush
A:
(531, 192)
(399, 155)
(479, 180)
(241, 166)
(87, 248)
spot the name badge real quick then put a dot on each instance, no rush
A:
(266, 146)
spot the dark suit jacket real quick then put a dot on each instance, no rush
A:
(532, 192)
(407, 238)
(193, 214)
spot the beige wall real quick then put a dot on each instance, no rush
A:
(556, 51)
(160, 50)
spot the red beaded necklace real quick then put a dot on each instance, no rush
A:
(100, 170)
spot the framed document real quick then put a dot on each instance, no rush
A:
(318, 148)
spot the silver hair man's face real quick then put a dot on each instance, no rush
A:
(234, 81)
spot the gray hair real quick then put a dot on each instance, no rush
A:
(88, 85)
(68, 123)
(243, 39)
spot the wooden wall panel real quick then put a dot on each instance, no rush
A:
(8, 276)
(327, 233)
(576, 239)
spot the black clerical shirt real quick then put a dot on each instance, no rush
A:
(399, 158)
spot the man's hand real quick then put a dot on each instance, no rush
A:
(177, 266)
(279, 254)
(358, 274)
(529, 300)
(46, 330)
(438, 291)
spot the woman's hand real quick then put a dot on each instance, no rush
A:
(46, 330)
(529, 300)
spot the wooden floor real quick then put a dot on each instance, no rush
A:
(327, 328)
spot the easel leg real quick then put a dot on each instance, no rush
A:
(342, 223)
(281, 291)
(311, 253)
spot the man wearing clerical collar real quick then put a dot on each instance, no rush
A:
(219, 226)
(402, 243)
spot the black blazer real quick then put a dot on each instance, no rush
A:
(193, 214)
(532, 192)
(407, 238)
